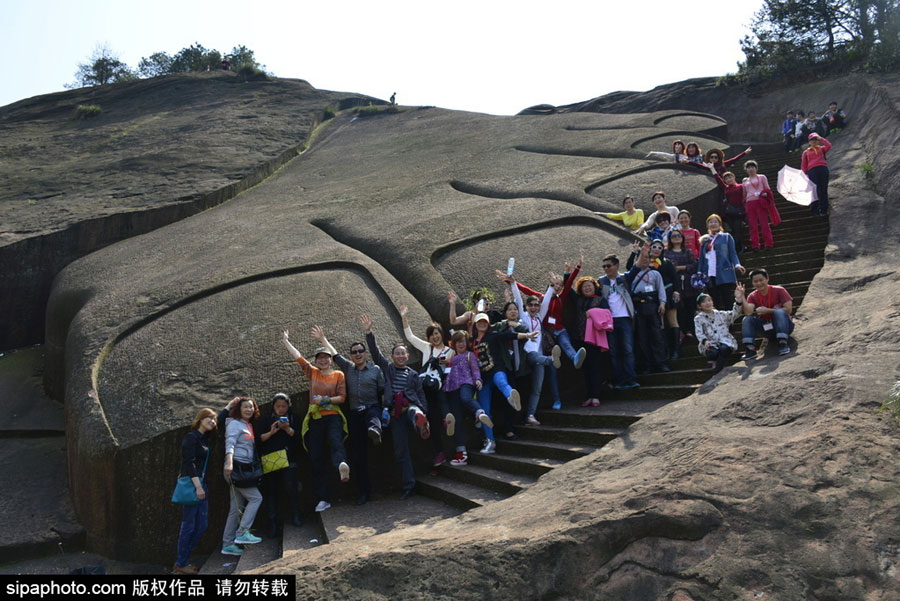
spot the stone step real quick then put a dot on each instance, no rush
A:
(457, 494)
(611, 414)
(668, 390)
(533, 467)
(261, 553)
(498, 480)
(308, 536)
(595, 437)
(692, 376)
(542, 449)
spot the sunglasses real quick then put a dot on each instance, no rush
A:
(607, 266)
(358, 351)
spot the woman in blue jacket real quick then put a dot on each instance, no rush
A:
(719, 260)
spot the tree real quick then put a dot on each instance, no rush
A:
(103, 67)
(158, 63)
(195, 58)
(793, 34)
(241, 56)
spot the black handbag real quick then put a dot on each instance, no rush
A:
(247, 475)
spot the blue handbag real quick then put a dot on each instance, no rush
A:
(185, 492)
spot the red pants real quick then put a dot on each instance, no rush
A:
(757, 213)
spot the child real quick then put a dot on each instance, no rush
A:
(460, 386)
(631, 217)
(787, 131)
(691, 236)
(733, 206)
(662, 229)
(834, 118)
(713, 329)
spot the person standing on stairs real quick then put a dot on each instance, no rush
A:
(365, 389)
(405, 399)
(648, 292)
(240, 453)
(759, 202)
(279, 431)
(669, 275)
(586, 298)
(767, 312)
(614, 287)
(195, 450)
(715, 158)
(435, 367)
(815, 165)
(324, 422)
(691, 235)
(719, 261)
(733, 207)
(680, 317)
(787, 131)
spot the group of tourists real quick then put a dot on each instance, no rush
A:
(677, 285)
(797, 126)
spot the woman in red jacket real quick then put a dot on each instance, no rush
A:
(815, 166)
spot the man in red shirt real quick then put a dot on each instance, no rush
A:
(768, 311)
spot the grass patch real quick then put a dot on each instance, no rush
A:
(251, 73)
(867, 169)
(87, 111)
(373, 110)
(892, 403)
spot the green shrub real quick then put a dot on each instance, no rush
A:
(251, 73)
(372, 110)
(329, 113)
(485, 292)
(87, 111)
(867, 169)
(892, 403)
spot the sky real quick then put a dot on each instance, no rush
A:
(490, 56)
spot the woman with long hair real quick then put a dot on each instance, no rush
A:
(195, 449)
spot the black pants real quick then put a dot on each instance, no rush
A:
(594, 373)
(359, 422)
(819, 176)
(720, 355)
(437, 409)
(327, 429)
(650, 340)
(282, 479)
(722, 294)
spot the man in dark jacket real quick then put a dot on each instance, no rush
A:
(405, 399)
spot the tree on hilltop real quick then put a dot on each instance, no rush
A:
(241, 56)
(158, 63)
(195, 58)
(103, 67)
(789, 35)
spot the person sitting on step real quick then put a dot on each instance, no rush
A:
(713, 328)
(767, 312)
(405, 398)
(324, 423)
(532, 312)
(631, 217)
(659, 201)
(662, 228)
(460, 386)
(834, 118)
(787, 131)
(365, 388)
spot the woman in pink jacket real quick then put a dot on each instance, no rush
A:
(757, 200)
(815, 166)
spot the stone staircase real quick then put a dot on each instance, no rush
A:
(576, 431)
(563, 435)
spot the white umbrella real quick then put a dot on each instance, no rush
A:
(796, 187)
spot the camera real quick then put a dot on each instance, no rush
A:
(283, 420)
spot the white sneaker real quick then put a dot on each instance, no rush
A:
(515, 400)
(555, 353)
(344, 470)
(450, 424)
(483, 418)
(579, 358)
(489, 448)
(532, 420)
(323, 505)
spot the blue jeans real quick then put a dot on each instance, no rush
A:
(194, 520)
(565, 343)
(539, 365)
(499, 380)
(621, 350)
(400, 434)
(464, 398)
(752, 325)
